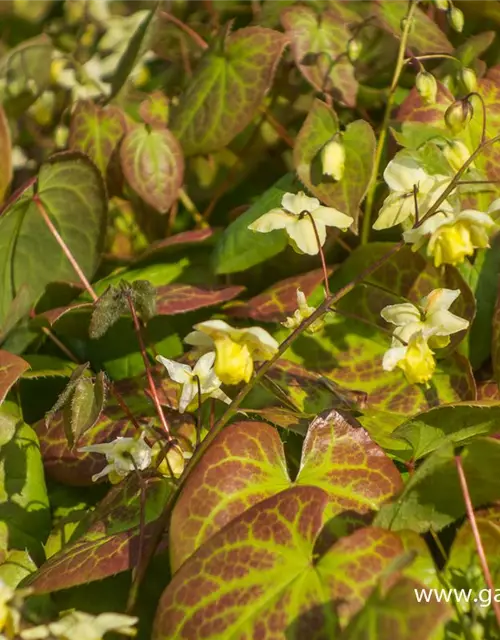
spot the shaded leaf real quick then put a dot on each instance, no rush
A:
(154, 110)
(175, 243)
(359, 142)
(432, 497)
(319, 46)
(97, 132)
(239, 248)
(181, 298)
(259, 575)
(42, 366)
(12, 368)
(279, 301)
(66, 394)
(424, 37)
(72, 193)
(246, 464)
(5, 155)
(82, 412)
(144, 297)
(107, 311)
(153, 165)
(227, 89)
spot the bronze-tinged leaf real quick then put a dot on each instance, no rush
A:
(319, 45)
(261, 575)
(153, 164)
(181, 298)
(97, 131)
(154, 110)
(359, 142)
(53, 315)
(175, 243)
(246, 464)
(5, 155)
(12, 368)
(280, 300)
(228, 86)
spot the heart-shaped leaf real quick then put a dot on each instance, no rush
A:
(153, 164)
(319, 44)
(227, 89)
(264, 564)
(72, 193)
(246, 464)
(154, 110)
(359, 142)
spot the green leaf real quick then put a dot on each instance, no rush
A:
(72, 192)
(97, 132)
(246, 464)
(11, 369)
(265, 570)
(107, 311)
(26, 70)
(319, 46)
(144, 297)
(239, 248)
(42, 366)
(397, 614)
(482, 278)
(458, 424)
(135, 47)
(155, 109)
(359, 141)
(227, 89)
(424, 37)
(68, 391)
(153, 165)
(24, 504)
(5, 155)
(432, 497)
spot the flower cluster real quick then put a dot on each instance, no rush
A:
(123, 456)
(77, 625)
(418, 330)
(451, 234)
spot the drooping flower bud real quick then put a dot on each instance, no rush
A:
(456, 18)
(333, 158)
(458, 115)
(442, 5)
(426, 86)
(353, 49)
(456, 153)
(469, 79)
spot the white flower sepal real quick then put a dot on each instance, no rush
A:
(432, 317)
(302, 312)
(295, 218)
(187, 377)
(402, 175)
(123, 456)
(78, 625)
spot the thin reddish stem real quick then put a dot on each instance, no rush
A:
(186, 28)
(477, 537)
(279, 128)
(65, 248)
(321, 253)
(147, 367)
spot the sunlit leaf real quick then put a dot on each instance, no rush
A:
(181, 298)
(12, 368)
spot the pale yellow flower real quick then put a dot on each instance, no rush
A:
(415, 359)
(123, 455)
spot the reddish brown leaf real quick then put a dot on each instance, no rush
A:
(179, 241)
(280, 300)
(12, 368)
(488, 390)
(181, 298)
(53, 315)
(154, 110)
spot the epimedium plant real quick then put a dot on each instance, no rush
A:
(249, 322)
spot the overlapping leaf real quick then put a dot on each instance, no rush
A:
(424, 36)
(227, 89)
(12, 368)
(153, 164)
(97, 132)
(176, 243)
(319, 45)
(181, 298)
(280, 300)
(259, 575)
(359, 142)
(246, 464)
(72, 193)
(154, 110)
(111, 541)
(5, 155)
(432, 497)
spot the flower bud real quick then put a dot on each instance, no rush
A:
(333, 158)
(458, 115)
(456, 153)
(456, 18)
(353, 49)
(426, 86)
(469, 79)
(442, 5)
